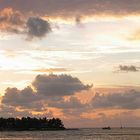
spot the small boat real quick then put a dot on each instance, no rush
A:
(107, 128)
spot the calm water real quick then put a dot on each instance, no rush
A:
(81, 134)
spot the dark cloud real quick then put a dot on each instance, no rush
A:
(38, 27)
(72, 8)
(131, 68)
(126, 100)
(72, 103)
(8, 111)
(58, 85)
(13, 21)
(25, 98)
(49, 92)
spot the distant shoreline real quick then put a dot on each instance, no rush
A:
(64, 129)
(69, 129)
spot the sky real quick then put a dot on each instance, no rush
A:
(78, 60)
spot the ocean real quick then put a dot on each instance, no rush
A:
(80, 134)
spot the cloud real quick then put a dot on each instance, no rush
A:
(49, 93)
(125, 100)
(68, 9)
(37, 27)
(8, 15)
(131, 68)
(58, 85)
(103, 107)
(72, 103)
(11, 20)
(7, 111)
(34, 18)
(25, 99)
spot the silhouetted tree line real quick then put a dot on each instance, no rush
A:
(27, 123)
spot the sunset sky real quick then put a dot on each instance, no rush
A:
(78, 60)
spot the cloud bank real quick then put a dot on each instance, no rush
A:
(51, 90)
(51, 95)
(47, 91)
(66, 8)
(125, 100)
(32, 17)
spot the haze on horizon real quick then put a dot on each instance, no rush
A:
(78, 60)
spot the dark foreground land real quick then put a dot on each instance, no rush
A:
(30, 124)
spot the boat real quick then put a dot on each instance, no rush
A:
(107, 128)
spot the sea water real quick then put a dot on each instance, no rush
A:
(80, 134)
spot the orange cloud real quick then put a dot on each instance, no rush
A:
(74, 8)
(10, 20)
